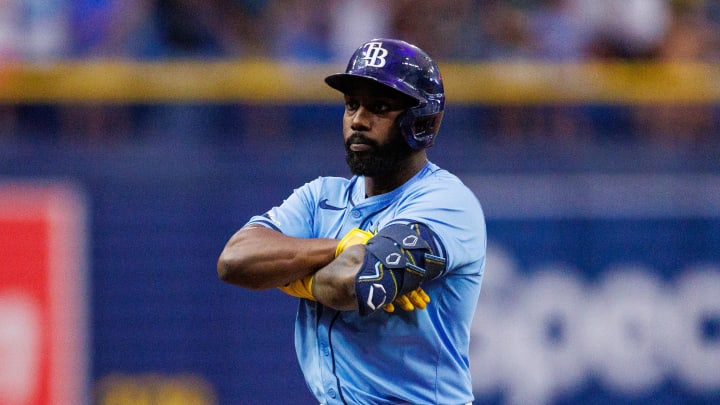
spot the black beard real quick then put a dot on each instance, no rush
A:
(382, 161)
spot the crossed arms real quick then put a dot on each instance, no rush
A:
(259, 258)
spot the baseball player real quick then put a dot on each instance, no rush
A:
(387, 264)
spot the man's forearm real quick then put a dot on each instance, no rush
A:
(261, 258)
(334, 284)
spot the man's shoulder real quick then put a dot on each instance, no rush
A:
(443, 188)
(431, 171)
(437, 178)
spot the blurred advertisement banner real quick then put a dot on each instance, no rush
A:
(43, 322)
(600, 288)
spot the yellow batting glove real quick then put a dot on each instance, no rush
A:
(356, 236)
(301, 288)
(414, 299)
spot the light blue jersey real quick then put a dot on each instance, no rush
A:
(418, 357)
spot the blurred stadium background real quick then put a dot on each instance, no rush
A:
(137, 136)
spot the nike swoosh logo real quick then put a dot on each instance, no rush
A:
(325, 206)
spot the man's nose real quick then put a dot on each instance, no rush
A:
(362, 119)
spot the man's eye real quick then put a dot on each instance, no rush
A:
(351, 105)
(380, 107)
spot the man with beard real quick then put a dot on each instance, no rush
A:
(401, 232)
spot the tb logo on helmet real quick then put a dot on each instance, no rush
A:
(375, 54)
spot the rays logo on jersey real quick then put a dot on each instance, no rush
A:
(372, 228)
(375, 54)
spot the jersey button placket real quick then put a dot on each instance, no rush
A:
(325, 358)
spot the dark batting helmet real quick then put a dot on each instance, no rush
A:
(404, 68)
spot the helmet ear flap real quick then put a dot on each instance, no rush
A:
(420, 125)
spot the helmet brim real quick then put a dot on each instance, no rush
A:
(346, 82)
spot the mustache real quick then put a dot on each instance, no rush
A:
(358, 137)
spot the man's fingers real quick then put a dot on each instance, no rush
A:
(405, 303)
(414, 299)
(423, 295)
(417, 299)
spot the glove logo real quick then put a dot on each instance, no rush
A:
(375, 54)
(393, 259)
(410, 241)
(381, 293)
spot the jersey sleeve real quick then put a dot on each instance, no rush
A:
(295, 215)
(454, 214)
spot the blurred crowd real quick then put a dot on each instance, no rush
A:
(37, 31)
(323, 30)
